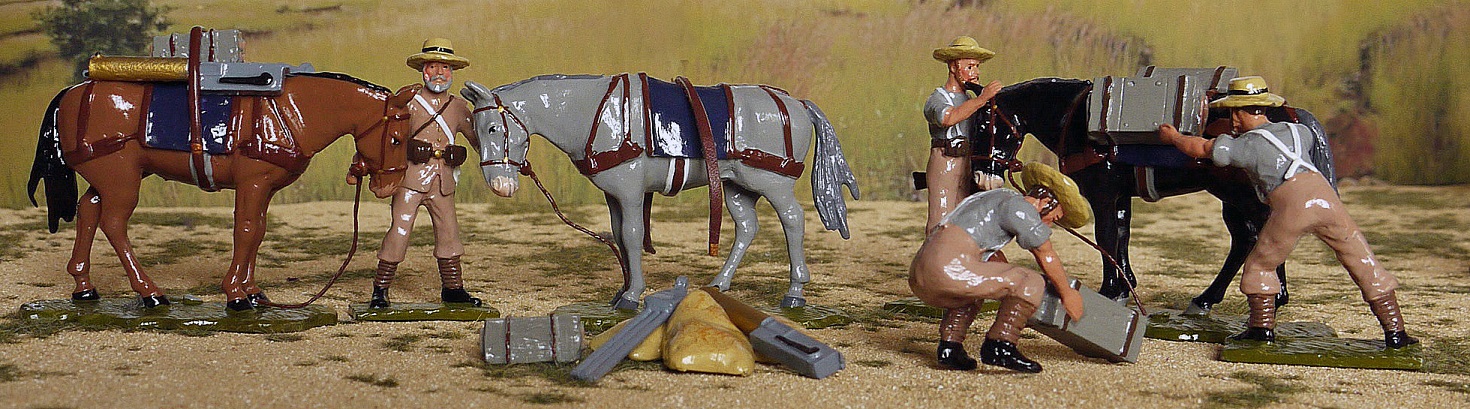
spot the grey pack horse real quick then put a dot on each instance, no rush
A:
(602, 124)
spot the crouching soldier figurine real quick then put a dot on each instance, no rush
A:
(960, 265)
(1302, 202)
(432, 173)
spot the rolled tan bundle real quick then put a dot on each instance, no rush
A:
(139, 69)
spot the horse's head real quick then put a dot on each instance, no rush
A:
(504, 139)
(381, 149)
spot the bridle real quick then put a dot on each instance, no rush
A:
(506, 118)
(524, 167)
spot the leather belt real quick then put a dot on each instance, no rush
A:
(954, 148)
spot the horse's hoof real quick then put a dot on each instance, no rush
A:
(86, 295)
(242, 304)
(257, 298)
(620, 303)
(1198, 308)
(151, 301)
(793, 302)
(458, 296)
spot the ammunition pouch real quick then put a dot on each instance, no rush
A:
(420, 152)
(954, 148)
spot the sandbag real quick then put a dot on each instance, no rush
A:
(648, 350)
(701, 338)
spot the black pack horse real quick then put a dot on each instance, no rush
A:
(1055, 111)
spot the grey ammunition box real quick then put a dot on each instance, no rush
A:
(1107, 330)
(557, 338)
(216, 46)
(1129, 110)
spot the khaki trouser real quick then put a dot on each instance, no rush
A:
(1305, 204)
(405, 209)
(945, 176)
(948, 273)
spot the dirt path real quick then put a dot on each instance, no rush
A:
(524, 262)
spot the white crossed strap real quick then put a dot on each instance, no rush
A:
(1294, 154)
(437, 118)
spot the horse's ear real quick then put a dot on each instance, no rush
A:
(404, 95)
(475, 93)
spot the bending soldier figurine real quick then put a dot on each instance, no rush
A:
(1302, 202)
(432, 174)
(948, 112)
(960, 265)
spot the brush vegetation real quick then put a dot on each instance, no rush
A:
(865, 62)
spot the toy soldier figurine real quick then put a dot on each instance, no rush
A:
(432, 173)
(960, 266)
(1302, 202)
(948, 112)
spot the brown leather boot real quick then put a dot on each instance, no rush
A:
(453, 285)
(952, 331)
(1010, 320)
(381, 280)
(1386, 308)
(1262, 324)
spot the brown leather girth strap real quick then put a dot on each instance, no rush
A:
(711, 164)
(197, 159)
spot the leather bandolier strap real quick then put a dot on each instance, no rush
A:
(711, 165)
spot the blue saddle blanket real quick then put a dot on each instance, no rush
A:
(1162, 156)
(674, 133)
(168, 119)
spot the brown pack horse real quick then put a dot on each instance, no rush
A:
(94, 128)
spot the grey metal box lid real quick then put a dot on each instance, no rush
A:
(217, 46)
(1129, 110)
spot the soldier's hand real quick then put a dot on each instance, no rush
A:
(1072, 302)
(352, 179)
(988, 181)
(991, 89)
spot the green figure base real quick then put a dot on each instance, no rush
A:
(1173, 325)
(402, 311)
(184, 314)
(912, 306)
(596, 316)
(812, 316)
(1324, 351)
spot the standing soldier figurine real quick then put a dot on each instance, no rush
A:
(948, 112)
(960, 265)
(432, 173)
(1302, 202)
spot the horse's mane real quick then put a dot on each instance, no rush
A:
(546, 77)
(344, 77)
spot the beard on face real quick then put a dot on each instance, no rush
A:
(438, 87)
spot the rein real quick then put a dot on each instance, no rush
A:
(1014, 165)
(356, 203)
(524, 168)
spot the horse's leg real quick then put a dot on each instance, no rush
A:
(615, 214)
(118, 194)
(629, 237)
(1242, 239)
(741, 204)
(251, 201)
(1114, 211)
(80, 267)
(793, 221)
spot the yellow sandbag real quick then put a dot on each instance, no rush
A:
(701, 338)
(648, 350)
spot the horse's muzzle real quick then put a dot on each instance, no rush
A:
(504, 186)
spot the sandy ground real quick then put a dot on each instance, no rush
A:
(521, 260)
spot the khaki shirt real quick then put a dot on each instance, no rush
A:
(456, 119)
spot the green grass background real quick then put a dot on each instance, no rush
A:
(865, 62)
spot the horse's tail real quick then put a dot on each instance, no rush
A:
(829, 173)
(61, 180)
